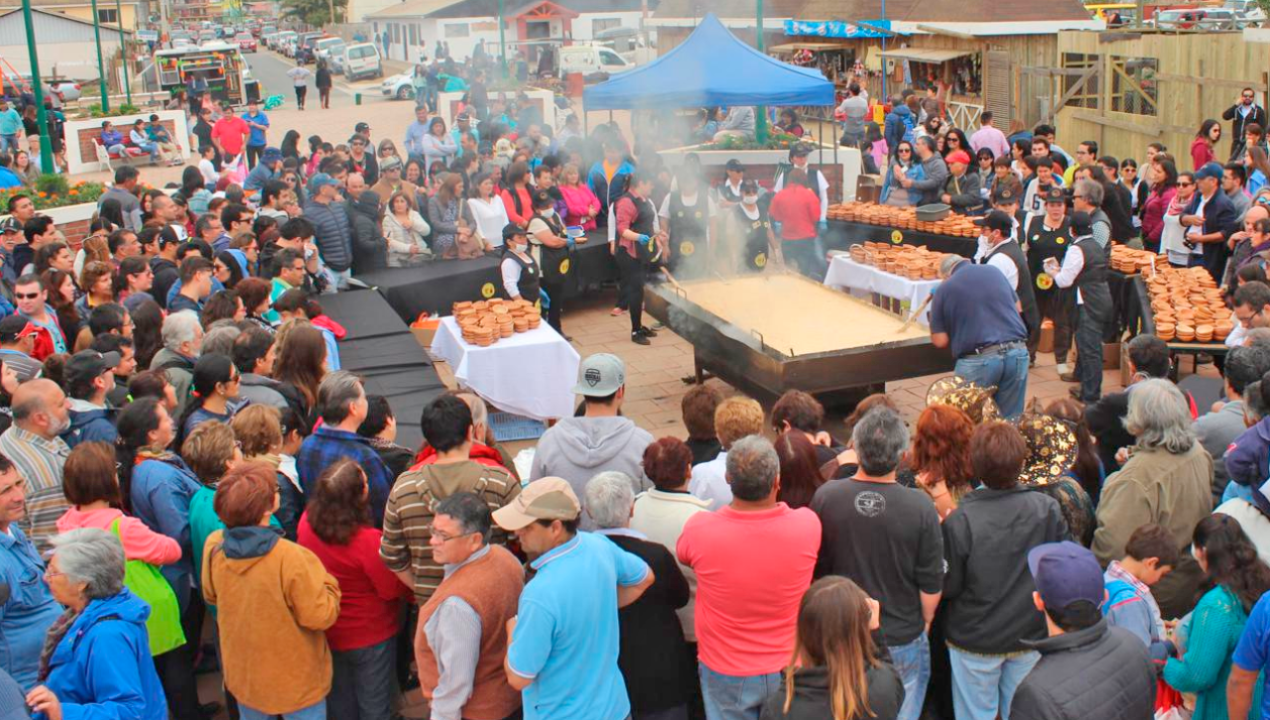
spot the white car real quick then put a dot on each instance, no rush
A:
(398, 87)
(359, 61)
(326, 48)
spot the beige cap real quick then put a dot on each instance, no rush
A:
(549, 498)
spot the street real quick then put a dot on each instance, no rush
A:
(271, 69)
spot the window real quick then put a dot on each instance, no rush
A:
(457, 30)
(414, 34)
(608, 57)
(108, 15)
(396, 33)
(1133, 87)
(599, 25)
(1084, 88)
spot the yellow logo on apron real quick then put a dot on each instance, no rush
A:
(897, 237)
(1044, 282)
(1060, 240)
(487, 290)
(687, 248)
(564, 266)
(760, 260)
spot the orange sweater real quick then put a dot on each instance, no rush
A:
(273, 612)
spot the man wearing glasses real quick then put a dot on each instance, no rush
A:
(408, 544)
(29, 608)
(1243, 113)
(32, 302)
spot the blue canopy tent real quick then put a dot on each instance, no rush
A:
(711, 68)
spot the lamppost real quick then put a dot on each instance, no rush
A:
(101, 67)
(123, 50)
(46, 143)
(502, 40)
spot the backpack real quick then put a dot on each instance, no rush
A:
(146, 582)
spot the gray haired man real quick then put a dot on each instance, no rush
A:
(886, 537)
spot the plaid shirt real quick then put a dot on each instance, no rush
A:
(39, 462)
(1116, 571)
(326, 446)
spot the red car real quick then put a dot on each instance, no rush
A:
(246, 42)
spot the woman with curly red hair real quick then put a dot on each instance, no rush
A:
(941, 455)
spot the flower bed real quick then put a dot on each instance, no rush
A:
(54, 191)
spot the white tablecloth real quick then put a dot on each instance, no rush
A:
(531, 374)
(851, 276)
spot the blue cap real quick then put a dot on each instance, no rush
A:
(271, 155)
(1065, 573)
(317, 181)
(1209, 170)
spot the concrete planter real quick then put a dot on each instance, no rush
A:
(82, 157)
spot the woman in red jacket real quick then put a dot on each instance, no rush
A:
(797, 208)
(337, 528)
(1202, 146)
(517, 199)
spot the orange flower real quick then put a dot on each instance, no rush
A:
(73, 192)
(44, 194)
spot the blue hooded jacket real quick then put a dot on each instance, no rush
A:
(102, 669)
(898, 126)
(90, 425)
(160, 492)
(1247, 456)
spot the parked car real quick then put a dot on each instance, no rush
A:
(246, 41)
(279, 41)
(398, 87)
(359, 61)
(328, 46)
(591, 59)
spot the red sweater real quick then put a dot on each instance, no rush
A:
(797, 209)
(526, 206)
(371, 594)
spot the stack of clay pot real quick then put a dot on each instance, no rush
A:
(901, 218)
(911, 261)
(1129, 261)
(484, 322)
(1188, 307)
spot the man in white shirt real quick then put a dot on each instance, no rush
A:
(734, 419)
(1085, 267)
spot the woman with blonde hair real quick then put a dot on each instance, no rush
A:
(835, 671)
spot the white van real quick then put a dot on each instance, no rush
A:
(590, 59)
(325, 48)
(361, 60)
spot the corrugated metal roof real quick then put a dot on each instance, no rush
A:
(898, 10)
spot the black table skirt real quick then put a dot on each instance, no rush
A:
(437, 286)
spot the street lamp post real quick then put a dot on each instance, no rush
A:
(502, 40)
(101, 66)
(123, 51)
(46, 142)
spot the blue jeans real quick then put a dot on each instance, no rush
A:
(364, 684)
(337, 280)
(8, 143)
(912, 662)
(984, 685)
(1004, 369)
(732, 697)
(312, 712)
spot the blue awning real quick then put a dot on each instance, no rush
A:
(837, 29)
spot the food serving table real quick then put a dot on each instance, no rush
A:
(858, 278)
(531, 374)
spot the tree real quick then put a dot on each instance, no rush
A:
(315, 12)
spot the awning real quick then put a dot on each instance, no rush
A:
(814, 47)
(925, 55)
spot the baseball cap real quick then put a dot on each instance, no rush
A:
(958, 156)
(600, 375)
(361, 127)
(1065, 573)
(1082, 224)
(320, 179)
(1055, 195)
(734, 165)
(87, 365)
(996, 220)
(799, 150)
(392, 162)
(512, 229)
(1004, 196)
(10, 225)
(549, 498)
(271, 155)
(15, 327)
(1209, 170)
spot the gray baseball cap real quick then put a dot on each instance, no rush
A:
(600, 375)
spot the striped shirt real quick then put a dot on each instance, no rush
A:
(39, 462)
(408, 516)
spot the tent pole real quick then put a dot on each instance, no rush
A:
(760, 122)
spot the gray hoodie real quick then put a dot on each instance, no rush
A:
(577, 449)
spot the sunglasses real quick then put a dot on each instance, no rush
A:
(1248, 97)
(1185, 184)
(906, 150)
(26, 296)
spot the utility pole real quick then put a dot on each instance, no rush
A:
(502, 39)
(46, 142)
(101, 66)
(123, 50)
(331, 5)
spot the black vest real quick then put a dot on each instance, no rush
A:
(555, 262)
(688, 226)
(1025, 290)
(753, 236)
(530, 276)
(645, 223)
(1043, 244)
(1092, 281)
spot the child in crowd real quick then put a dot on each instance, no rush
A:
(1150, 554)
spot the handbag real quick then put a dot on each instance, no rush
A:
(146, 582)
(1168, 703)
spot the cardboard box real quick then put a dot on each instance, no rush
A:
(1045, 342)
(425, 330)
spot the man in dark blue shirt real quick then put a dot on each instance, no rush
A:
(975, 313)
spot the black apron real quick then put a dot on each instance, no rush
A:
(556, 263)
(530, 277)
(688, 227)
(645, 223)
(1044, 244)
(754, 238)
(1025, 291)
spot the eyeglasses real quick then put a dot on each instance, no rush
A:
(1185, 184)
(26, 296)
(444, 536)
(50, 573)
(906, 150)
(1248, 97)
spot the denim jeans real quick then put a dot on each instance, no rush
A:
(364, 682)
(1089, 356)
(732, 697)
(312, 712)
(337, 280)
(9, 143)
(912, 662)
(1005, 369)
(984, 685)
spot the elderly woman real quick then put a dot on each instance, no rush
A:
(96, 660)
(653, 656)
(1166, 480)
(275, 602)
